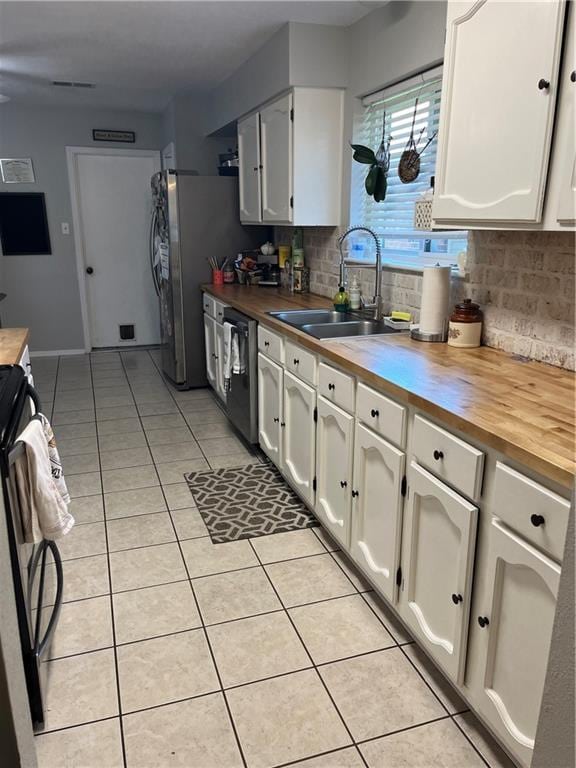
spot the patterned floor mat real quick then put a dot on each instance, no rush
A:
(245, 502)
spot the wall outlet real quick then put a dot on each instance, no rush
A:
(65, 228)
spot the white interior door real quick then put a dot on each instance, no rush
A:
(114, 206)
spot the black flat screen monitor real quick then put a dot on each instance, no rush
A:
(23, 224)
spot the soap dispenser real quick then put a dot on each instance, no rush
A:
(354, 294)
(341, 300)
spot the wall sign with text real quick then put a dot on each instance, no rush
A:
(100, 134)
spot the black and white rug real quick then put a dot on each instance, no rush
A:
(245, 502)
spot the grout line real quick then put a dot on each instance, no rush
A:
(319, 676)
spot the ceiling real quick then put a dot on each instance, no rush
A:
(139, 54)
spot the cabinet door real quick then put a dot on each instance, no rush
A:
(334, 443)
(521, 586)
(210, 346)
(564, 146)
(377, 509)
(219, 359)
(497, 111)
(269, 407)
(439, 552)
(276, 147)
(299, 436)
(249, 172)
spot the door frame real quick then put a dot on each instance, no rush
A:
(72, 154)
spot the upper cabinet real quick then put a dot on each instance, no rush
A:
(499, 94)
(290, 154)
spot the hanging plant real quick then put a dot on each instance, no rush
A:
(376, 182)
(409, 163)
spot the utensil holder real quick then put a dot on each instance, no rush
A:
(217, 277)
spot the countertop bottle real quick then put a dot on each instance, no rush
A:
(341, 300)
(354, 294)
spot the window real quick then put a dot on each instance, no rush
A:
(393, 218)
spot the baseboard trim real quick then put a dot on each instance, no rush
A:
(58, 353)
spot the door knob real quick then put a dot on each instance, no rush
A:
(483, 621)
(343, 484)
(355, 494)
(456, 599)
(573, 76)
(438, 455)
(89, 270)
(543, 84)
(537, 520)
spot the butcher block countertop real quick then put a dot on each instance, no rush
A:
(12, 344)
(525, 410)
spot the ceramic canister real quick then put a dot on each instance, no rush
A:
(465, 327)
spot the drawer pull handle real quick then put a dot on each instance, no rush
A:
(543, 84)
(332, 386)
(374, 413)
(355, 494)
(537, 520)
(296, 361)
(276, 420)
(483, 621)
(456, 599)
(266, 343)
(438, 455)
(343, 484)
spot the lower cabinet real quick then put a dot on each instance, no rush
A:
(299, 436)
(377, 509)
(440, 531)
(210, 346)
(219, 359)
(518, 587)
(334, 444)
(270, 384)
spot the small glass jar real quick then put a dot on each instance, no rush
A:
(465, 326)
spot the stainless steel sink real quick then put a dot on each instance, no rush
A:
(351, 328)
(299, 317)
(329, 324)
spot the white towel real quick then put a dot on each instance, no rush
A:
(42, 493)
(227, 356)
(238, 353)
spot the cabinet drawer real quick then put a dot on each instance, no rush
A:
(539, 515)
(301, 362)
(270, 344)
(447, 456)
(208, 304)
(337, 387)
(381, 414)
(219, 308)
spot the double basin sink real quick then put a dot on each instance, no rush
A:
(328, 324)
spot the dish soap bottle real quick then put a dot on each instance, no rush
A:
(354, 294)
(341, 300)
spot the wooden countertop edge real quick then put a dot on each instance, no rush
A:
(563, 475)
(13, 342)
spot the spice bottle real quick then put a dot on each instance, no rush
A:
(465, 327)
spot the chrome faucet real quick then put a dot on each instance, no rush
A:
(376, 305)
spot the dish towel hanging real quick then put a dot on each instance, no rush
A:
(42, 493)
(227, 356)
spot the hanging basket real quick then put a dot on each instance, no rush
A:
(409, 166)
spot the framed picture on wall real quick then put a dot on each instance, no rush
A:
(24, 224)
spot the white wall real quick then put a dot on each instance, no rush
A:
(318, 55)
(43, 291)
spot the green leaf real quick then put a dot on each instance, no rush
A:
(380, 187)
(363, 154)
(371, 179)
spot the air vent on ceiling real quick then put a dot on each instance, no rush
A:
(69, 84)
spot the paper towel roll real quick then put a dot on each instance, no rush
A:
(434, 309)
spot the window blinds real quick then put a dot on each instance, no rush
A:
(394, 217)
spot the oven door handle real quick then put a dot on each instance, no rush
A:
(34, 396)
(40, 642)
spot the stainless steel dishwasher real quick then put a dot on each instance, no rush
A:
(242, 397)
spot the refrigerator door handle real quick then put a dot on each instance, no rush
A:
(153, 222)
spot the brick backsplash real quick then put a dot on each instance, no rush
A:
(524, 282)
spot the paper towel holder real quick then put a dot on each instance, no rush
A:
(418, 335)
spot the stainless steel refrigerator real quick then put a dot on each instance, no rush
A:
(193, 217)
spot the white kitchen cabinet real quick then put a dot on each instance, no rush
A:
(270, 411)
(561, 195)
(438, 558)
(519, 588)
(377, 509)
(497, 112)
(299, 436)
(249, 171)
(334, 454)
(290, 155)
(219, 360)
(210, 348)
(276, 149)
(25, 363)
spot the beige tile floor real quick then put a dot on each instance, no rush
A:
(173, 651)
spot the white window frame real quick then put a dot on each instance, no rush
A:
(367, 131)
